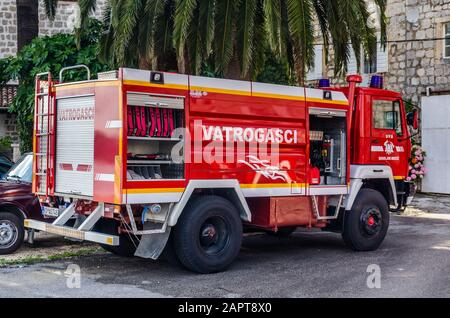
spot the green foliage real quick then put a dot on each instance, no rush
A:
(5, 142)
(4, 76)
(44, 54)
(274, 71)
(5, 145)
(409, 105)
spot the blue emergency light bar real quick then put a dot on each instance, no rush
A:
(376, 81)
(324, 82)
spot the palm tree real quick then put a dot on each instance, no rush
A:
(233, 34)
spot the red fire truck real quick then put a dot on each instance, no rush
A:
(152, 163)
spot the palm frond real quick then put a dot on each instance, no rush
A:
(206, 21)
(259, 41)
(106, 54)
(272, 17)
(163, 37)
(225, 12)
(319, 7)
(245, 32)
(383, 21)
(124, 35)
(147, 28)
(184, 12)
(50, 8)
(86, 8)
(301, 30)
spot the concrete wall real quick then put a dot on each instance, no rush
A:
(436, 142)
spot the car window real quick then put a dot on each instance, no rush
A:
(386, 115)
(22, 170)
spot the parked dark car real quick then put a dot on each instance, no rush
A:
(17, 202)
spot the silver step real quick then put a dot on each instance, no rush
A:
(82, 232)
(112, 240)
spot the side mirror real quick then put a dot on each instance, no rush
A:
(412, 119)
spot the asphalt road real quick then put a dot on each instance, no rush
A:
(414, 262)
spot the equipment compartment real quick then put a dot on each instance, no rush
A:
(328, 146)
(152, 122)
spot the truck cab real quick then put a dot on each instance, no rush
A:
(380, 137)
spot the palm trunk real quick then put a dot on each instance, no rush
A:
(299, 66)
(234, 68)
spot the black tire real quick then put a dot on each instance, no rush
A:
(169, 253)
(12, 233)
(366, 225)
(127, 245)
(283, 231)
(208, 235)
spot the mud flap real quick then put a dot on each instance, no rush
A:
(152, 245)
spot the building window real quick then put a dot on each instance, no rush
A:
(377, 64)
(447, 40)
(27, 22)
(370, 64)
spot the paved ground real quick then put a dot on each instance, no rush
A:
(414, 262)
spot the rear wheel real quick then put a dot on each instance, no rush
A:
(127, 242)
(11, 233)
(366, 225)
(208, 235)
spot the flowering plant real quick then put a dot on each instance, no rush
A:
(416, 167)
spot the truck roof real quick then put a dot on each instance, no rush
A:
(235, 87)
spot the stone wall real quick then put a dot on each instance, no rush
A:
(8, 28)
(415, 54)
(66, 19)
(415, 48)
(8, 126)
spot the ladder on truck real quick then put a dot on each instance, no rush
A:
(44, 136)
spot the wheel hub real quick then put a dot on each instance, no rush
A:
(7, 232)
(209, 234)
(371, 221)
(214, 235)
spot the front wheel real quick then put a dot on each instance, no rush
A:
(366, 225)
(208, 235)
(11, 233)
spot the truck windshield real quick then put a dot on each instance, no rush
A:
(22, 170)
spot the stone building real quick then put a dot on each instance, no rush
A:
(20, 22)
(417, 56)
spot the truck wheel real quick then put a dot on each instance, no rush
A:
(283, 231)
(208, 235)
(11, 233)
(366, 225)
(127, 246)
(169, 253)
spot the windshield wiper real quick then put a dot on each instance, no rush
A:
(13, 177)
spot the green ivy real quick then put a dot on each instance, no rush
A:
(43, 54)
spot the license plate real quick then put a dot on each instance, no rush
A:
(50, 212)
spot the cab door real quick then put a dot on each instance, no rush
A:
(388, 141)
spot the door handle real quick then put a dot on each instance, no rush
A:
(375, 141)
